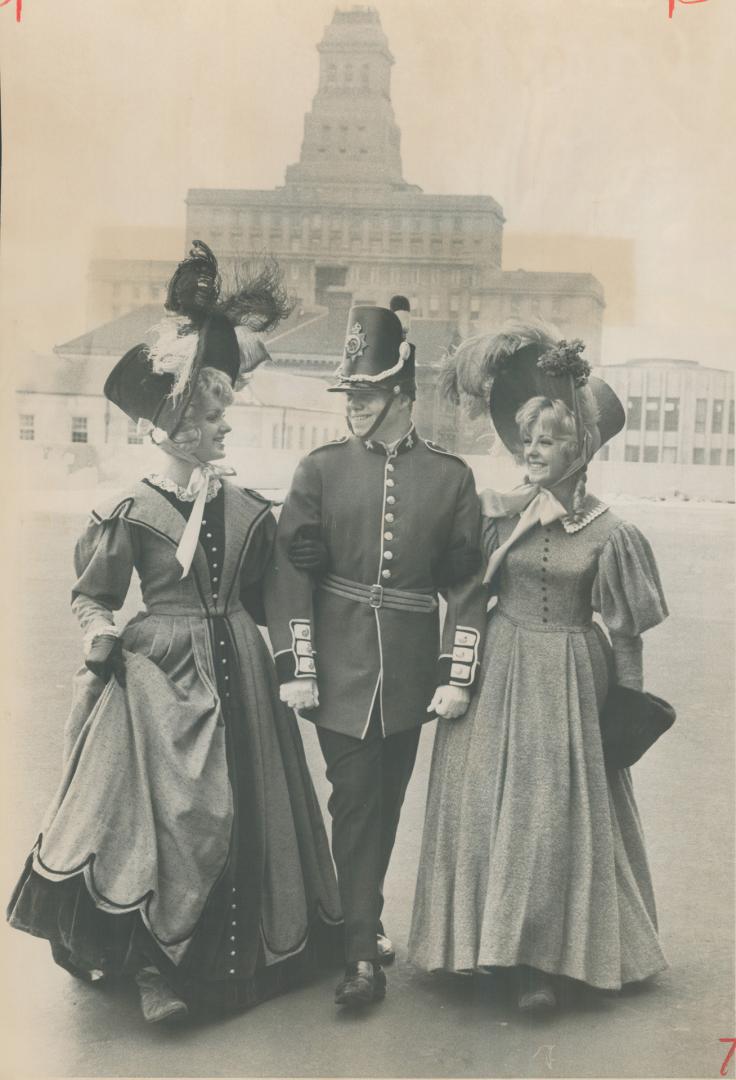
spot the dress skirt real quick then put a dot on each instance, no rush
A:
(532, 852)
(185, 833)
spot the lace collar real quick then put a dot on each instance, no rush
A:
(165, 483)
(592, 508)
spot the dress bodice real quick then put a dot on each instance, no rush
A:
(555, 578)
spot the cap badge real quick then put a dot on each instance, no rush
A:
(355, 343)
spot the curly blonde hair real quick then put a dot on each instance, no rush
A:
(213, 388)
(561, 422)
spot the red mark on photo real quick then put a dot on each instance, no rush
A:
(672, 4)
(729, 1055)
(18, 8)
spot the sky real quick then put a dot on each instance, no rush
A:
(596, 119)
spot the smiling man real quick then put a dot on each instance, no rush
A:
(359, 651)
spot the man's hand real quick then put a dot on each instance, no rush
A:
(449, 702)
(300, 694)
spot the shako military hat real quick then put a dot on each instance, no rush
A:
(376, 355)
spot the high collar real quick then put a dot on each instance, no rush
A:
(406, 442)
(592, 508)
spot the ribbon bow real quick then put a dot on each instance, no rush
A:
(535, 505)
(197, 487)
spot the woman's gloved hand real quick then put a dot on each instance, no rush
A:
(106, 659)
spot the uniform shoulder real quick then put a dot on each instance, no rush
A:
(327, 447)
(255, 496)
(437, 449)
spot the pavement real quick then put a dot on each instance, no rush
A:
(429, 1026)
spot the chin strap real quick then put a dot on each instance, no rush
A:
(390, 397)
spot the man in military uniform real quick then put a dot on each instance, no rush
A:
(359, 651)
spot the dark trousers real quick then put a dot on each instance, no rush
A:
(369, 778)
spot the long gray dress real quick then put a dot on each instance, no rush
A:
(186, 830)
(532, 853)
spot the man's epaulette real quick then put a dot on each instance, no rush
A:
(333, 442)
(441, 450)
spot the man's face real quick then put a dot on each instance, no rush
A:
(363, 408)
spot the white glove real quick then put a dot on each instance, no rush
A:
(300, 694)
(449, 702)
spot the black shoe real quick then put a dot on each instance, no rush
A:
(363, 983)
(385, 949)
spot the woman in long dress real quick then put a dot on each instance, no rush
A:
(533, 854)
(185, 846)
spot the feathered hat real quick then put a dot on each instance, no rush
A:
(524, 361)
(155, 380)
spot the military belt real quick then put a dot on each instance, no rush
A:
(378, 596)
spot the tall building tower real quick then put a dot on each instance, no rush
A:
(347, 225)
(350, 134)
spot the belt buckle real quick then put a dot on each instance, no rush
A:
(375, 598)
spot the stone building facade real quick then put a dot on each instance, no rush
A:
(346, 218)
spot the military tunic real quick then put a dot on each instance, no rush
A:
(370, 630)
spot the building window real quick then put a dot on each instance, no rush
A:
(701, 411)
(715, 457)
(454, 304)
(434, 305)
(475, 305)
(730, 416)
(365, 73)
(27, 427)
(295, 271)
(302, 436)
(633, 414)
(631, 453)
(716, 424)
(275, 436)
(134, 439)
(287, 436)
(79, 429)
(669, 455)
(672, 414)
(698, 456)
(651, 453)
(331, 73)
(729, 457)
(653, 414)
(348, 73)
(325, 434)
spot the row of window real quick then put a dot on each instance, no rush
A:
(434, 225)
(668, 455)
(348, 75)
(289, 437)
(655, 414)
(286, 436)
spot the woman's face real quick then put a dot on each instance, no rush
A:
(546, 452)
(213, 427)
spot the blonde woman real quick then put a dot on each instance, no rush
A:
(185, 846)
(533, 855)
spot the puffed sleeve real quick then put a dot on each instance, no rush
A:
(254, 568)
(104, 558)
(627, 593)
